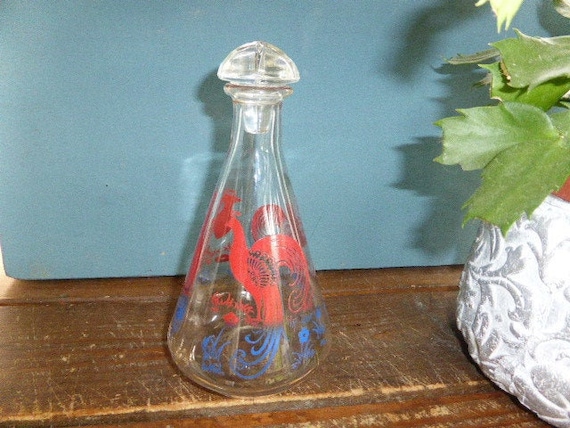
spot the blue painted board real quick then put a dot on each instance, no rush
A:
(113, 126)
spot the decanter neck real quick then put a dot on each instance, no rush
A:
(257, 106)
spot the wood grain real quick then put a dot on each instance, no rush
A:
(93, 352)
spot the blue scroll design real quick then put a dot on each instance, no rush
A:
(212, 351)
(254, 363)
(260, 347)
(312, 324)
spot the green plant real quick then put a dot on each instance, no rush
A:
(521, 142)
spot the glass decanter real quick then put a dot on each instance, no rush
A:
(250, 319)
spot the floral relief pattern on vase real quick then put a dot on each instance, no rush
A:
(514, 309)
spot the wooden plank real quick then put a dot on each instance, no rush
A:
(93, 352)
(459, 411)
(13, 291)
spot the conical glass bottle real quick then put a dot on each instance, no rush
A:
(250, 319)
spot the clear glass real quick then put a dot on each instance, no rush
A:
(250, 319)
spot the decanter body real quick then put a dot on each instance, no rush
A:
(250, 319)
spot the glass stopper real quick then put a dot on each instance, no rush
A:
(258, 64)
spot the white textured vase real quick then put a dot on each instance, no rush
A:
(514, 309)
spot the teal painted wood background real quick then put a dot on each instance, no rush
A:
(113, 126)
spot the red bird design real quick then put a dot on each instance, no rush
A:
(261, 268)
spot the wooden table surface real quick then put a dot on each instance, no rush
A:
(93, 352)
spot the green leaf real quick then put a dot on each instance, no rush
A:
(504, 9)
(543, 96)
(475, 58)
(530, 61)
(561, 121)
(519, 178)
(473, 139)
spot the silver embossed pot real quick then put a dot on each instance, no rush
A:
(514, 308)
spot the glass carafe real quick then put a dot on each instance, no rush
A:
(250, 319)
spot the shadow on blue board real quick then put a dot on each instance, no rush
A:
(447, 187)
(422, 30)
(218, 107)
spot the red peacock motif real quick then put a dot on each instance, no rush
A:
(274, 262)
